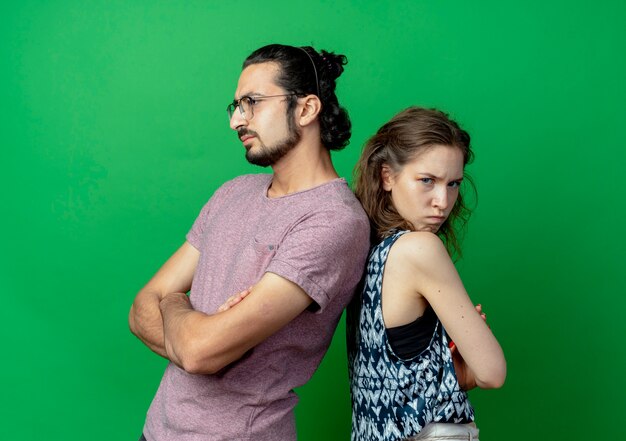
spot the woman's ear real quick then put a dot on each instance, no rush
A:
(310, 108)
(386, 176)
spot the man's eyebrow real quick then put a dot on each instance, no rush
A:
(249, 94)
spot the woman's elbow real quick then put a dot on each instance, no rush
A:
(494, 379)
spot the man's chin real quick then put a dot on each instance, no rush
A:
(261, 161)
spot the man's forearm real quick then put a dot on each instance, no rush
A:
(177, 314)
(146, 322)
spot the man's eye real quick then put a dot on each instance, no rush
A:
(249, 100)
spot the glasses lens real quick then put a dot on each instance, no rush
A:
(245, 105)
(230, 109)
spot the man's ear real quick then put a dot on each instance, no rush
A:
(309, 108)
(386, 176)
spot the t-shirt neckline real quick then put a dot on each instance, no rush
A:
(271, 178)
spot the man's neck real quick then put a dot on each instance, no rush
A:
(302, 168)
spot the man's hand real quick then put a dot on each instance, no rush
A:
(175, 276)
(206, 343)
(175, 307)
(234, 299)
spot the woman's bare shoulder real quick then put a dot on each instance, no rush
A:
(416, 243)
(420, 251)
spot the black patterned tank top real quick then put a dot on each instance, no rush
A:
(394, 398)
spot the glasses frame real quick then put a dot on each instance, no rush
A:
(252, 100)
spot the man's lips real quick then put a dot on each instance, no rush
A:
(246, 135)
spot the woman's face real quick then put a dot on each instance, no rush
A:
(425, 189)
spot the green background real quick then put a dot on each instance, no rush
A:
(114, 134)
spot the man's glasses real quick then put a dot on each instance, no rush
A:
(246, 105)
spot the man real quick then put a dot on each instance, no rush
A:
(298, 237)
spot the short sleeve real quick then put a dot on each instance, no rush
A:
(197, 229)
(324, 254)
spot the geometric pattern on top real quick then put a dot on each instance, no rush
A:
(394, 398)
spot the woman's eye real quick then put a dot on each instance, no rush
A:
(455, 184)
(427, 180)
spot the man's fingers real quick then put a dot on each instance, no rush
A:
(233, 300)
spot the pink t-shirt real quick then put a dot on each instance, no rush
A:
(318, 239)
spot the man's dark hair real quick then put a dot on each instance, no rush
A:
(305, 71)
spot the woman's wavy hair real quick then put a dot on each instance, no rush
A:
(406, 136)
(305, 71)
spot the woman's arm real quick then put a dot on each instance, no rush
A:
(433, 275)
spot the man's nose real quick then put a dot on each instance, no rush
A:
(237, 120)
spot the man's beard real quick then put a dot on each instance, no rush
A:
(265, 156)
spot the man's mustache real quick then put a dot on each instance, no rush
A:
(246, 132)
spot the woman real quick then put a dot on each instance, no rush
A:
(407, 378)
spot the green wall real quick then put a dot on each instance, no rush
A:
(114, 133)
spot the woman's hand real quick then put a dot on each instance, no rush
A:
(479, 309)
(464, 375)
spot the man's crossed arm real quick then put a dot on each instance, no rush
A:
(162, 317)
